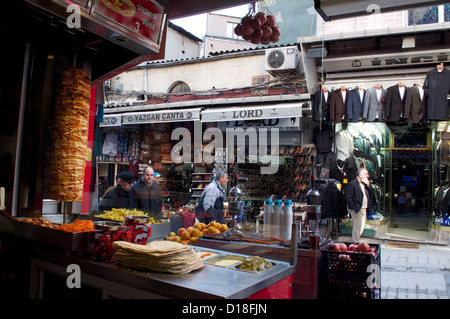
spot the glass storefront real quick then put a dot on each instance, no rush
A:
(409, 170)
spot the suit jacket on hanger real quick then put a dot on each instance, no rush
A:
(395, 104)
(321, 107)
(374, 107)
(338, 106)
(437, 86)
(355, 105)
(415, 106)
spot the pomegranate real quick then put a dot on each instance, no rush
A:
(271, 21)
(247, 37)
(363, 247)
(246, 20)
(335, 247)
(343, 247)
(256, 36)
(276, 31)
(267, 31)
(265, 40)
(246, 29)
(274, 39)
(353, 247)
(255, 24)
(238, 30)
(261, 16)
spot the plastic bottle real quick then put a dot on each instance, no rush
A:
(277, 218)
(287, 220)
(268, 218)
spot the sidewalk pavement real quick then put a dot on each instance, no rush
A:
(415, 273)
(412, 273)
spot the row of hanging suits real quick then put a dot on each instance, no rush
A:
(374, 104)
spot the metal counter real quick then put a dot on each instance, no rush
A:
(209, 282)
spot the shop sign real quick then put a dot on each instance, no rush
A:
(111, 120)
(283, 124)
(141, 17)
(161, 116)
(385, 60)
(252, 113)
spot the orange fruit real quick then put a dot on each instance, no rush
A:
(223, 228)
(185, 236)
(215, 231)
(205, 231)
(198, 226)
(177, 239)
(180, 231)
(214, 224)
(190, 229)
(172, 234)
(203, 225)
(193, 240)
(210, 230)
(195, 233)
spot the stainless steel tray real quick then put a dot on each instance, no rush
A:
(230, 256)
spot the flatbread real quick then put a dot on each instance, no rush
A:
(160, 256)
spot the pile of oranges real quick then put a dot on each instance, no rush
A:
(191, 234)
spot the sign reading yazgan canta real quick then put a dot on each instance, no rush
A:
(161, 116)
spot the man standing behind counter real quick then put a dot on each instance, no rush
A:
(142, 194)
(213, 198)
(119, 196)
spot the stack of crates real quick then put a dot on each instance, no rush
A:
(350, 275)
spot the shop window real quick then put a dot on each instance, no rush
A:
(447, 13)
(260, 85)
(410, 140)
(230, 30)
(441, 177)
(179, 87)
(425, 15)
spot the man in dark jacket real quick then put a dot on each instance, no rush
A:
(141, 191)
(358, 199)
(437, 87)
(119, 196)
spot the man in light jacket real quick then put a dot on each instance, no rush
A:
(213, 197)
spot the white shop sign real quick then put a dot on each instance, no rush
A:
(274, 111)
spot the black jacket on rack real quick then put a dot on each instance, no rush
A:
(334, 202)
(323, 138)
(437, 86)
(395, 104)
(321, 106)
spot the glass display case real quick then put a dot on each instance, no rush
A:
(440, 156)
(366, 145)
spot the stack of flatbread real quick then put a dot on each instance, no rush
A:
(69, 136)
(162, 256)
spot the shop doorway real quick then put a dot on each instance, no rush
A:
(411, 176)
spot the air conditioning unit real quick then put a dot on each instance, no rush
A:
(284, 58)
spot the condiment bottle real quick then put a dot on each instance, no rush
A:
(287, 220)
(268, 218)
(277, 218)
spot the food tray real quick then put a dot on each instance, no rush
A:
(203, 252)
(240, 258)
